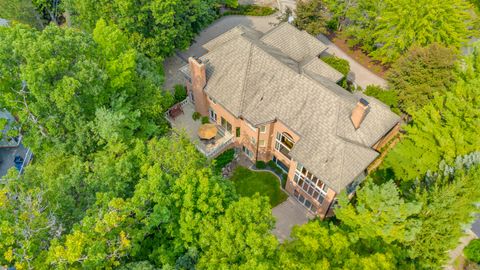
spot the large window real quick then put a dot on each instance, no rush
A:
(284, 143)
(310, 183)
(226, 125)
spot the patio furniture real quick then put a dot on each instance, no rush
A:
(207, 131)
(175, 111)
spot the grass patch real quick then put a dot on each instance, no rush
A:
(248, 182)
(251, 10)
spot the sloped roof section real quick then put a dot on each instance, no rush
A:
(298, 45)
(264, 83)
(317, 66)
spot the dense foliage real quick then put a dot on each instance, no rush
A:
(311, 16)
(22, 11)
(155, 27)
(387, 29)
(442, 130)
(74, 92)
(472, 250)
(112, 188)
(386, 96)
(250, 10)
(341, 65)
(421, 73)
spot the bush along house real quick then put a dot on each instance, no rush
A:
(276, 100)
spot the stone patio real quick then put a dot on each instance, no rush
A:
(288, 214)
(185, 123)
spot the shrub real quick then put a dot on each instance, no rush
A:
(472, 251)
(284, 180)
(341, 65)
(180, 93)
(196, 116)
(388, 97)
(223, 159)
(260, 164)
(251, 10)
(231, 3)
(275, 168)
(205, 120)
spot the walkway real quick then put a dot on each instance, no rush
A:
(358, 74)
(289, 214)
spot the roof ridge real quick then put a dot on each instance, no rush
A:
(247, 69)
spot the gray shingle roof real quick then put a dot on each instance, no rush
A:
(262, 83)
(299, 45)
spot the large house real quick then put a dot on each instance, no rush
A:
(279, 101)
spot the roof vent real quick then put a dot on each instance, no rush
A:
(359, 112)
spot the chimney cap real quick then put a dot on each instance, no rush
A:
(364, 102)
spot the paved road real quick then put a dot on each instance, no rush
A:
(358, 73)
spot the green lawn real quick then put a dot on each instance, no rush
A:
(249, 182)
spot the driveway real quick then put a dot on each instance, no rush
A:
(358, 73)
(173, 63)
(7, 156)
(288, 214)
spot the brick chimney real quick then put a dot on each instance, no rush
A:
(359, 113)
(199, 80)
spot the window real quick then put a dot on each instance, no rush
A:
(280, 164)
(212, 100)
(310, 183)
(261, 143)
(263, 129)
(284, 143)
(226, 125)
(253, 140)
(213, 115)
(247, 152)
(237, 132)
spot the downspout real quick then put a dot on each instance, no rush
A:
(258, 143)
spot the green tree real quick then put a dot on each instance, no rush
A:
(389, 97)
(445, 128)
(380, 212)
(362, 19)
(66, 87)
(311, 16)
(27, 224)
(22, 11)
(407, 22)
(448, 200)
(154, 27)
(241, 238)
(421, 73)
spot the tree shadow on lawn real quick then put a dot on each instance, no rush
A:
(248, 182)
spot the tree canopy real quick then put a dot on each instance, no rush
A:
(387, 29)
(75, 91)
(154, 27)
(421, 73)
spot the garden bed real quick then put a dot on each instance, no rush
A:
(248, 182)
(363, 59)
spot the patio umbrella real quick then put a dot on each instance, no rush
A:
(207, 131)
